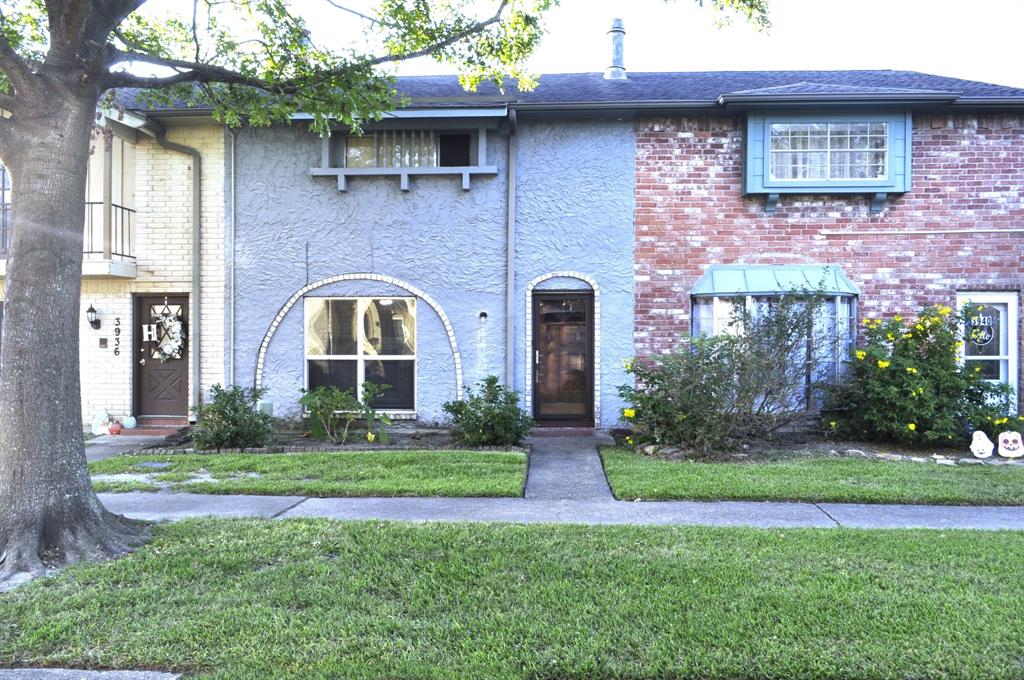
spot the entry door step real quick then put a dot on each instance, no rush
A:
(162, 426)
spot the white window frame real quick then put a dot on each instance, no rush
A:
(829, 179)
(1012, 301)
(429, 136)
(361, 303)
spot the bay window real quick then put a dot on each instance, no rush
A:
(726, 295)
(350, 341)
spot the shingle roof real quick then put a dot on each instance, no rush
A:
(692, 88)
(701, 86)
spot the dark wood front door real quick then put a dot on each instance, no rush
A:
(563, 367)
(161, 382)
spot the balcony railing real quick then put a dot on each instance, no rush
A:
(108, 234)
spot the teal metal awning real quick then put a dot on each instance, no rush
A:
(744, 279)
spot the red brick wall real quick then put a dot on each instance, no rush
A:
(968, 174)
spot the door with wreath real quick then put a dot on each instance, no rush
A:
(161, 355)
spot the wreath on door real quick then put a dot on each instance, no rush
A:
(171, 335)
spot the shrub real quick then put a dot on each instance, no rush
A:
(232, 419)
(906, 384)
(490, 417)
(748, 383)
(331, 412)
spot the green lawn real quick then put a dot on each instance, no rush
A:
(317, 598)
(846, 480)
(362, 473)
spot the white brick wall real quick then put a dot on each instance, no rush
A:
(163, 248)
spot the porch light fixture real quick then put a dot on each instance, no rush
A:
(92, 317)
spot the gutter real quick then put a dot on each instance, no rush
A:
(197, 215)
(510, 253)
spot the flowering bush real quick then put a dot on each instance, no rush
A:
(906, 384)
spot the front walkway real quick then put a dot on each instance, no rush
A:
(566, 484)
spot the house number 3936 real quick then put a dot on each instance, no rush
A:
(117, 336)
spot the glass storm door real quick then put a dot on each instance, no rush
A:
(990, 336)
(563, 371)
(161, 373)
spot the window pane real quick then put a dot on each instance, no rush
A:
(360, 152)
(400, 374)
(330, 327)
(454, 150)
(332, 373)
(390, 327)
(991, 369)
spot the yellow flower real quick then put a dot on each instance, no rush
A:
(1020, 418)
(907, 335)
(833, 424)
(977, 369)
(911, 370)
(882, 363)
(629, 440)
(370, 437)
(958, 344)
(627, 364)
(945, 311)
(629, 413)
(861, 354)
(867, 322)
(897, 318)
(890, 336)
(1001, 421)
(912, 427)
(919, 327)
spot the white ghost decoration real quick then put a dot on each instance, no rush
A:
(1010, 445)
(981, 445)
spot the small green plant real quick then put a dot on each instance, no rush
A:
(907, 384)
(331, 412)
(375, 422)
(232, 419)
(490, 417)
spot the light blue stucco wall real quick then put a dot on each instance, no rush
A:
(575, 210)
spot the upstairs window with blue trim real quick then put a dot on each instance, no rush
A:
(828, 154)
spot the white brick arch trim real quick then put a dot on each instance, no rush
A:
(299, 294)
(528, 378)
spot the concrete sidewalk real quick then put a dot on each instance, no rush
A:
(566, 485)
(174, 506)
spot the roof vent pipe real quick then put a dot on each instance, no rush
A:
(617, 71)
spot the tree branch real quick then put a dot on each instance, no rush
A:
(17, 70)
(195, 71)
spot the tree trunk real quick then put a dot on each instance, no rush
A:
(49, 514)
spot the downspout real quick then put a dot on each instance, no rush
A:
(231, 300)
(197, 194)
(510, 255)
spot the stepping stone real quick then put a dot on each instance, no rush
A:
(153, 464)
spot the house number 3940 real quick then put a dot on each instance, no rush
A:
(117, 336)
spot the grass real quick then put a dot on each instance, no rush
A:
(374, 473)
(842, 480)
(317, 598)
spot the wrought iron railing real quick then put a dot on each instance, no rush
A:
(102, 239)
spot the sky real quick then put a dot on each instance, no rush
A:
(944, 37)
(979, 40)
